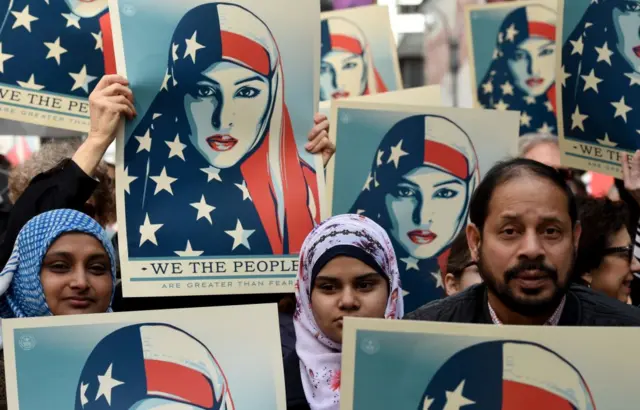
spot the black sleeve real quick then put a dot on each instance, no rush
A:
(65, 186)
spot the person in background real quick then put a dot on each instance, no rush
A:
(5, 202)
(524, 233)
(347, 269)
(462, 270)
(605, 260)
(62, 264)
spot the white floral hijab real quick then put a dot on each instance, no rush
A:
(320, 357)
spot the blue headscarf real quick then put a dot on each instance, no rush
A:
(20, 286)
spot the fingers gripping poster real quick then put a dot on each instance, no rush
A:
(412, 169)
(513, 60)
(600, 72)
(215, 190)
(52, 54)
(359, 53)
(146, 360)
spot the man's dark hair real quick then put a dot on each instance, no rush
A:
(601, 219)
(459, 256)
(510, 169)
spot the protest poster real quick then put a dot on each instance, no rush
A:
(216, 192)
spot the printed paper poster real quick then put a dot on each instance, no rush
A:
(442, 366)
(513, 60)
(216, 191)
(412, 169)
(146, 360)
(51, 58)
(359, 54)
(600, 72)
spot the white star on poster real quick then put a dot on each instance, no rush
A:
(604, 54)
(578, 46)
(530, 100)
(83, 394)
(30, 84)
(144, 142)
(174, 51)
(23, 19)
(165, 81)
(177, 148)
(98, 39)
(591, 81)
(107, 383)
(82, 79)
(438, 278)
(545, 129)
(455, 399)
(240, 236)
(507, 88)
(245, 191)
(3, 57)
(163, 182)
(188, 252)
(564, 76)
(72, 20)
(549, 106)
(55, 50)
(192, 47)
(396, 154)
(577, 119)
(367, 183)
(427, 403)
(496, 54)
(621, 109)
(212, 173)
(127, 180)
(487, 87)
(379, 158)
(525, 119)
(501, 106)
(412, 263)
(634, 78)
(148, 231)
(512, 33)
(204, 209)
(587, 25)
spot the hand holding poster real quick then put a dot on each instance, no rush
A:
(217, 193)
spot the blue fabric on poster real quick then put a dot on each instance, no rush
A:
(538, 111)
(24, 296)
(28, 51)
(592, 53)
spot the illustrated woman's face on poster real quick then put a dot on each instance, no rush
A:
(87, 8)
(626, 19)
(424, 209)
(226, 111)
(533, 65)
(342, 75)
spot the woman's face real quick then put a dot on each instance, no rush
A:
(425, 208)
(615, 273)
(76, 275)
(533, 65)
(342, 75)
(626, 20)
(226, 112)
(87, 8)
(347, 287)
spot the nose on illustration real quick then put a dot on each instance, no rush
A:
(507, 375)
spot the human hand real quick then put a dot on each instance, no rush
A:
(110, 99)
(319, 139)
(631, 175)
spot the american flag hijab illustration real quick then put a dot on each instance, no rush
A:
(340, 34)
(178, 202)
(144, 366)
(504, 89)
(60, 46)
(601, 75)
(427, 145)
(507, 375)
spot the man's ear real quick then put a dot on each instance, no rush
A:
(450, 284)
(473, 239)
(587, 277)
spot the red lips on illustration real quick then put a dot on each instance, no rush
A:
(340, 94)
(534, 82)
(221, 143)
(422, 237)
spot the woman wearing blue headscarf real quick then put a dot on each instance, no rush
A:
(521, 76)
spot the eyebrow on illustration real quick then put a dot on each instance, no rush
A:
(547, 44)
(451, 181)
(350, 58)
(253, 78)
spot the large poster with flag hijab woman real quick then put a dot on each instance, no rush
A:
(413, 169)
(599, 67)
(444, 366)
(52, 54)
(359, 54)
(215, 190)
(513, 62)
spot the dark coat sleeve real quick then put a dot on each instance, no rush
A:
(66, 186)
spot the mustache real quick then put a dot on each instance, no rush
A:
(528, 265)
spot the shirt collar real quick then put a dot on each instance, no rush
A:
(553, 320)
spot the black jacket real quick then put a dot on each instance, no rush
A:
(583, 307)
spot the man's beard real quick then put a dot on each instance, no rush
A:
(519, 305)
